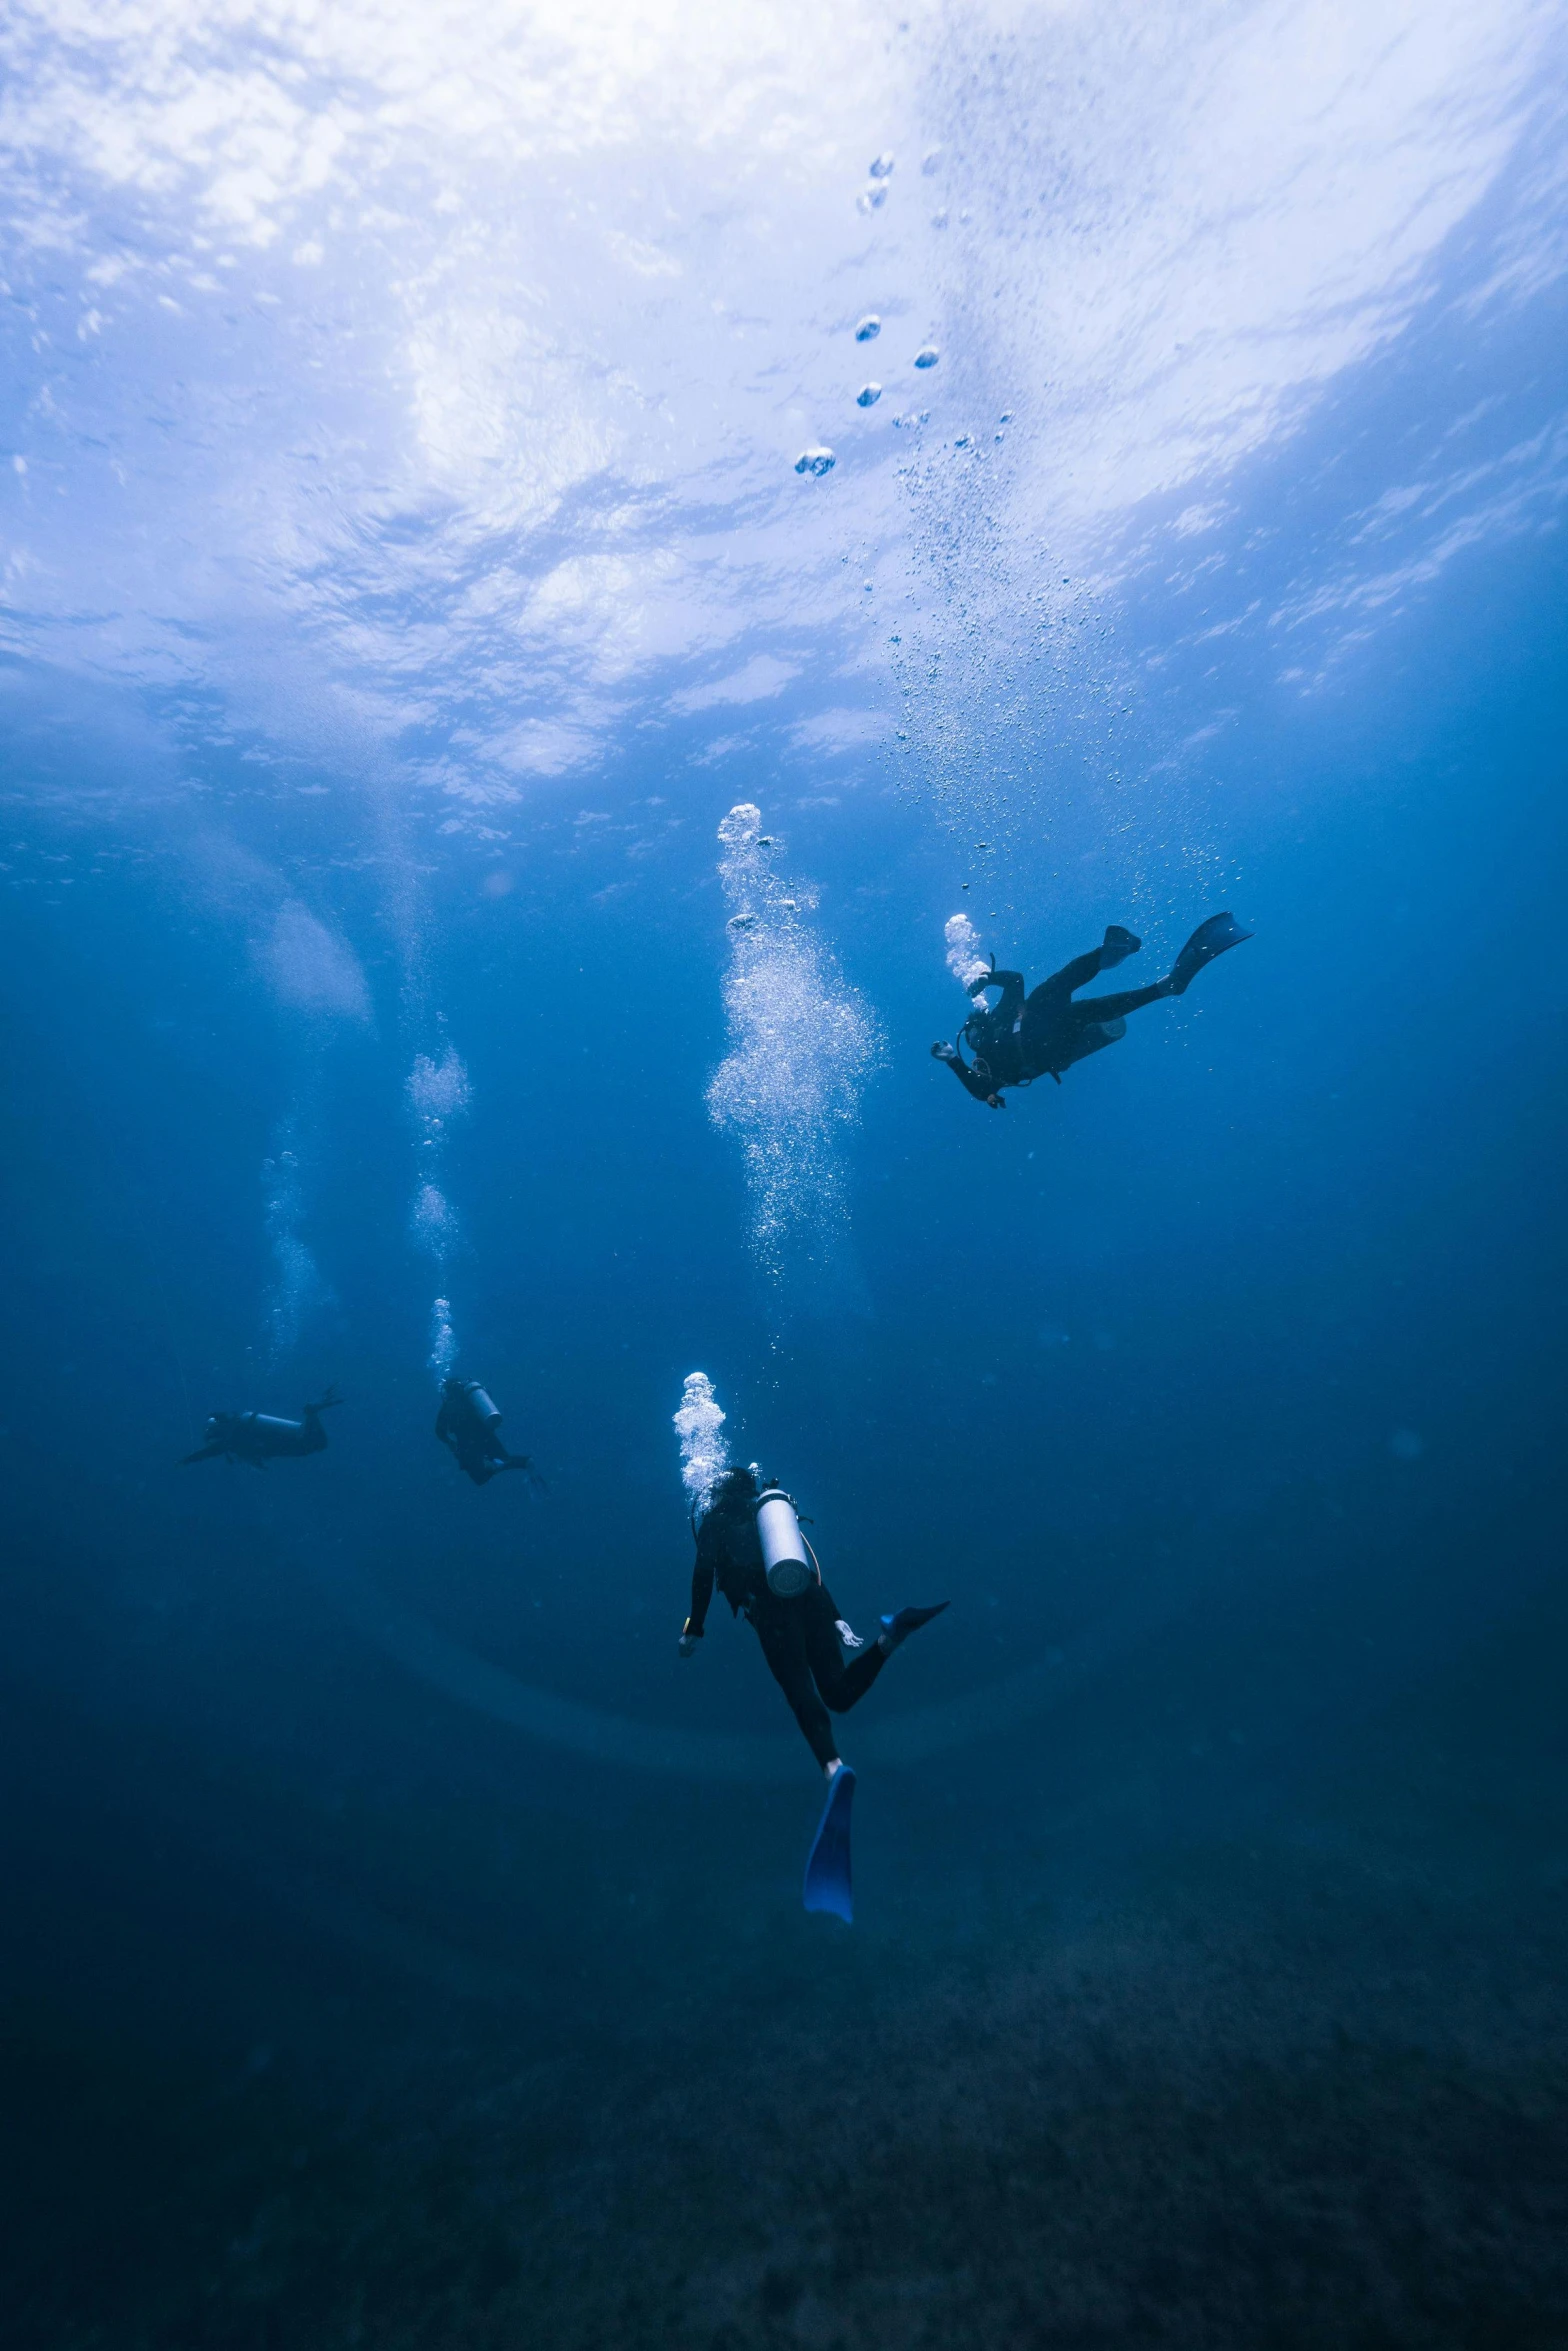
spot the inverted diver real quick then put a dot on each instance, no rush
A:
(259, 1437)
(1022, 1037)
(468, 1424)
(749, 1544)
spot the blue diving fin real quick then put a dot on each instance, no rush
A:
(1211, 938)
(827, 1864)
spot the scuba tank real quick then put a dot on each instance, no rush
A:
(784, 1548)
(269, 1421)
(481, 1405)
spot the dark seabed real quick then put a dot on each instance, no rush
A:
(487, 811)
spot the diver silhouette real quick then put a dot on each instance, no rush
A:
(468, 1424)
(803, 1636)
(1023, 1037)
(258, 1437)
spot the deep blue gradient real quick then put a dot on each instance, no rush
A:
(363, 1820)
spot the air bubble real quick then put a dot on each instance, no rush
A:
(871, 199)
(815, 461)
(928, 356)
(868, 395)
(868, 328)
(931, 160)
(882, 168)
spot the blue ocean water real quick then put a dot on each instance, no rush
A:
(546, 560)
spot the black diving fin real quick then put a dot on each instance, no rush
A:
(1211, 938)
(827, 1864)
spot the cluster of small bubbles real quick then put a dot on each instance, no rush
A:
(438, 1090)
(964, 959)
(868, 328)
(964, 441)
(704, 1453)
(801, 1045)
(443, 1339)
(434, 1222)
(868, 395)
(815, 461)
(927, 355)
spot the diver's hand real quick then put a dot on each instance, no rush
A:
(943, 1052)
(996, 1102)
(687, 1644)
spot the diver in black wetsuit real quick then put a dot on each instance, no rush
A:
(469, 1426)
(803, 1639)
(260, 1437)
(1023, 1037)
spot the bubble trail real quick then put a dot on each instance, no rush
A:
(443, 1338)
(704, 1452)
(297, 1285)
(801, 1046)
(964, 959)
(438, 1092)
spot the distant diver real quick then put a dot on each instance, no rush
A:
(469, 1426)
(750, 1545)
(1023, 1037)
(257, 1437)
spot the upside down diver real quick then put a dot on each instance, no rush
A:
(1022, 1036)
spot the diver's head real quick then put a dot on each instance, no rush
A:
(735, 1490)
(452, 1385)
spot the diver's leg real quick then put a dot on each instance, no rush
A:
(1077, 974)
(783, 1639)
(841, 1685)
(1128, 1000)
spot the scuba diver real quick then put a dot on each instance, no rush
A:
(469, 1426)
(1023, 1037)
(750, 1545)
(257, 1437)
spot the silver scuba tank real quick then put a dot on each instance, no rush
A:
(785, 1553)
(481, 1405)
(270, 1420)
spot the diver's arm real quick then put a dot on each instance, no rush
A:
(996, 979)
(983, 1089)
(701, 1594)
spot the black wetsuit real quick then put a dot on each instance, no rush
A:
(1022, 1037)
(799, 1637)
(474, 1444)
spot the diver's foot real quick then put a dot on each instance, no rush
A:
(897, 1629)
(941, 1052)
(1117, 945)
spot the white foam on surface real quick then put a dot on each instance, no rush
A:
(802, 1044)
(705, 1455)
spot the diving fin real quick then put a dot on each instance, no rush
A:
(827, 1864)
(1211, 938)
(1117, 945)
